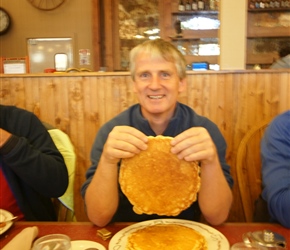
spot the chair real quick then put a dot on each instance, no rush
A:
(64, 205)
(248, 165)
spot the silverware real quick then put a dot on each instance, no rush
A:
(9, 220)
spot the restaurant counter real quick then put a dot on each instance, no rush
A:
(87, 231)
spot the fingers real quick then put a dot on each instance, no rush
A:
(124, 142)
(194, 144)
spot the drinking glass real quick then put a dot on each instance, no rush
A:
(53, 242)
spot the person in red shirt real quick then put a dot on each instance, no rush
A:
(32, 170)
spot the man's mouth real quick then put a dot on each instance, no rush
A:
(155, 96)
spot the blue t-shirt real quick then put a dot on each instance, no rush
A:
(183, 119)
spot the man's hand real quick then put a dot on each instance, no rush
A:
(123, 142)
(195, 144)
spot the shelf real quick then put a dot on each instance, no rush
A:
(268, 24)
(210, 59)
(195, 35)
(174, 38)
(196, 13)
(269, 10)
(275, 32)
(262, 59)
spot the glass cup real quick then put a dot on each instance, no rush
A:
(53, 242)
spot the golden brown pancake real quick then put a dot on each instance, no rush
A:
(166, 236)
(157, 182)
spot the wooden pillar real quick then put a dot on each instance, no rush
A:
(232, 34)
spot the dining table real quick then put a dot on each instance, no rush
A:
(88, 231)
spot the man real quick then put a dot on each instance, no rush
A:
(275, 151)
(32, 170)
(284, 59)
(158, 72)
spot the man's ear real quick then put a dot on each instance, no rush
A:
(134, 87)
(182, 85)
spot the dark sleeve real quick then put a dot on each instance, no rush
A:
(31, 154)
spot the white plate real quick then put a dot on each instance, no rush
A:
(84, 244)
(5, 215)
(215, 239)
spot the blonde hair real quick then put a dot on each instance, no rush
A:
(159, 48)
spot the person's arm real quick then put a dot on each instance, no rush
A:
(101, 194)
(31, 154)
(275, 151)
(215, 196)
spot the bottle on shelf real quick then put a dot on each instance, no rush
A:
(206, 4)
(181, 6)
(277, 4)
(272, 4)
(217, 3)
(212, 4)
(194, 5)
(177, 27)
(252, 5)
(262, 5)
(200, 5)
(283, 4)
(187, 5)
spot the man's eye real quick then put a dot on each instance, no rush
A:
(165, 75)
(144, 75)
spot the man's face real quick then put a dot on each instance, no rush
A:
(157, 86)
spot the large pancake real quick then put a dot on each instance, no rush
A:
(157, 182)
(166, 236)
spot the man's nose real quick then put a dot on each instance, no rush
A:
(155, 82)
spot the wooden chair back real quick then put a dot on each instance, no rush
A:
(248, 164)
(62, 211)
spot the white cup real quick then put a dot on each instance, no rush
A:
(53, 242)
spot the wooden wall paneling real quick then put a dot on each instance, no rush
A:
(81, 104)
(31, 95)
(272, 95)
(233, 139)
(194, 94)
(284, 90)
(101, 99)
(14, 91)
(77, 120)
(47, 102)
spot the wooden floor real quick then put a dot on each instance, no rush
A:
(80, 103)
